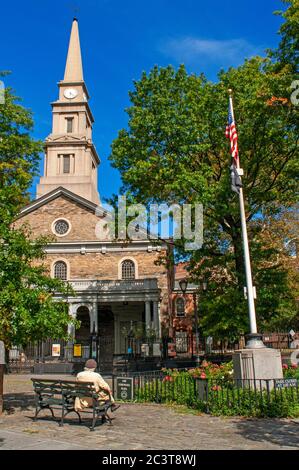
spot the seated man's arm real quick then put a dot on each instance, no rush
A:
(102, 384)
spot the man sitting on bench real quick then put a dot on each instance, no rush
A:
(102, 388)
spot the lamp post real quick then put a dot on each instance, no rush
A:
(183, 286)
(94, 344)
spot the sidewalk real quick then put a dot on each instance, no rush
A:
(138, 426)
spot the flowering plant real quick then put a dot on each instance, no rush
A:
(290, 371)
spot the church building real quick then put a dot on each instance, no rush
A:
(118, 284)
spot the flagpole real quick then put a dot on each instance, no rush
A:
(254, 338)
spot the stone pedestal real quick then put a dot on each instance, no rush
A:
(257, 364)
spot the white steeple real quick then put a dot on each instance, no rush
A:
(71, 159)
(73, 68)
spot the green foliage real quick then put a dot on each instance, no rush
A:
(287, 55)
(19, 155)
(28, 309)
(291, 371)
(223, 396)
(175, 136)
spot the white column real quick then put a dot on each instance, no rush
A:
(147, 314)
(156, 318)
(73, 314)
(95, 316)
(71, 332)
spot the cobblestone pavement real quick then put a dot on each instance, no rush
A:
(136, 426)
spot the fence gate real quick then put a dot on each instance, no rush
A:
(106, 351)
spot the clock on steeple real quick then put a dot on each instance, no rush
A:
(70, 93)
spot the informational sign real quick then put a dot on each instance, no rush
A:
(145, 349)
(156, 350)
(77, 352)
(286, 383)
(124, 388)
(55, 350)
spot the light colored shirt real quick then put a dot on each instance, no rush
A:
(101, 387)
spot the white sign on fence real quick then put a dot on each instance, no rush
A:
(286, 383)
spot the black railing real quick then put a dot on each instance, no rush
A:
(256, 397)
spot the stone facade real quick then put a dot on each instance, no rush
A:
(118, 285)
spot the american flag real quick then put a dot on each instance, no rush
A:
(231, 133)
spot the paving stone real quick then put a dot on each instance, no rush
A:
(144, 426)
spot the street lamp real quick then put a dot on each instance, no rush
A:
(183, 286)
(94, 344)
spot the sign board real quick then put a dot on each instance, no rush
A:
(286, 383)
(2, 353)
(145, 349)
(77, 351)
(55, 350)
(156, 350)
(124, 388)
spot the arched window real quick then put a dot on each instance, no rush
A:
(128, 269)
(60, 270)
(180, 307)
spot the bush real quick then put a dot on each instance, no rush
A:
(222, 395)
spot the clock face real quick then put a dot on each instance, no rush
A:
(70, 93)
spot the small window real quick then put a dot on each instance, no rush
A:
(69, 125)
(180, 307)
(66, 163)
(128, 269)
(60, 270)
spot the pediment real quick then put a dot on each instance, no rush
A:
(58, 192)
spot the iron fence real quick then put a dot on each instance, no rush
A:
(256, 397)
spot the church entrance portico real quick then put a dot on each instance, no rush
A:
(114, 313)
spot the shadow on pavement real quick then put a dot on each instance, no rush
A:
(276, 431)
(18, 401)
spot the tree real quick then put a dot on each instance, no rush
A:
(287, 53)
(175, 136)
(28, 309)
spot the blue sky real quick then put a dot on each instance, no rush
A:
(120, 39)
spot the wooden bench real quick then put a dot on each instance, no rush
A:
(61, 395)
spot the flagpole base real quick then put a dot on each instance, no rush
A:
(254, 341)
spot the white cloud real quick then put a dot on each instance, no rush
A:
(191, 50)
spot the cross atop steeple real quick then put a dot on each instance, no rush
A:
(73, 68)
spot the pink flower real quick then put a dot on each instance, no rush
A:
(284, 366)
(168, 378)
(203, 375)
(294, 366)
(216, 387)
